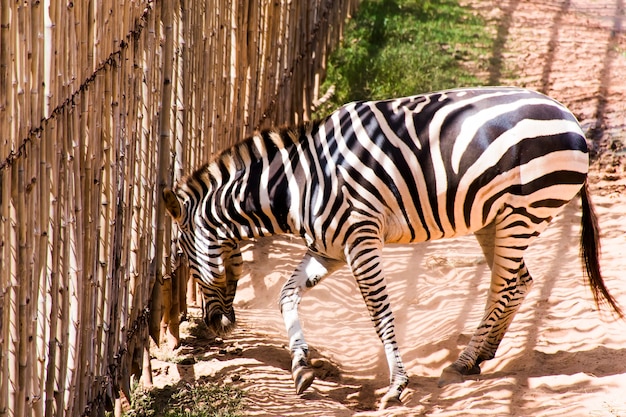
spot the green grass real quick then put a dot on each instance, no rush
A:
(200, 399)
(394, 48)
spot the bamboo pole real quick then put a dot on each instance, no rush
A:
(118, 303)
(179, 158)
(74, 275)
(106, 344)
(54, 220)
(12, 237)
(139, 246)
(126, 186)
(99, 203)
(5, 80)
(38, 216)
(23, 293)
(115, 272)
(41, 268)
(65, 267)
(87, 289)
(73, 208)
(19, 332)
(53, 281)
(5, 250)
(149, 65)
(91, 239)
(164, 179)
(85, 373)
(66, 226)
(45, 314)
(28, 286)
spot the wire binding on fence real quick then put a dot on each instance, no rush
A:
(69, 102)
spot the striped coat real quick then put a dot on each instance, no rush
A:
(497, 162)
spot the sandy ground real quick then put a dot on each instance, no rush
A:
(561, 357)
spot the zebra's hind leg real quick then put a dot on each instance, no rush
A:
(312, 269)
(510, 282)
(365, 260)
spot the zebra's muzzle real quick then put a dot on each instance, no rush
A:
(220, 323)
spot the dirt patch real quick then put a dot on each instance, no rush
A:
(560, 356)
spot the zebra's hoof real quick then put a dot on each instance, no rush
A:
(390, 399)
(454, 374)
(303, 378)
(449, 376)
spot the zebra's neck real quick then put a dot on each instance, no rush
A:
(256, 184)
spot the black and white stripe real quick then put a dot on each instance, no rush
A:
(498, 162)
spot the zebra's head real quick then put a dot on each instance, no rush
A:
(214, 262)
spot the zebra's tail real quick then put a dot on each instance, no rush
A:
(590, 248)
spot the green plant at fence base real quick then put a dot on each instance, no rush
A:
(199, 399)
(206, 400)
(394, 48)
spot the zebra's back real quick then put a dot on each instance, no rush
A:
(444, 164)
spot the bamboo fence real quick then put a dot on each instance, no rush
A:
(102, 104)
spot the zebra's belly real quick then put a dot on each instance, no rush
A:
(399, 230)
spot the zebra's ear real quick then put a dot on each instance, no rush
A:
(172, 204)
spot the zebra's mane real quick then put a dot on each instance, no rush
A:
(251, 149)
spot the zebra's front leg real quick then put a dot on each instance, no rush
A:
(365, 260)
(311, 270)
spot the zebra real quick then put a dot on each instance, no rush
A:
(499, 162)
